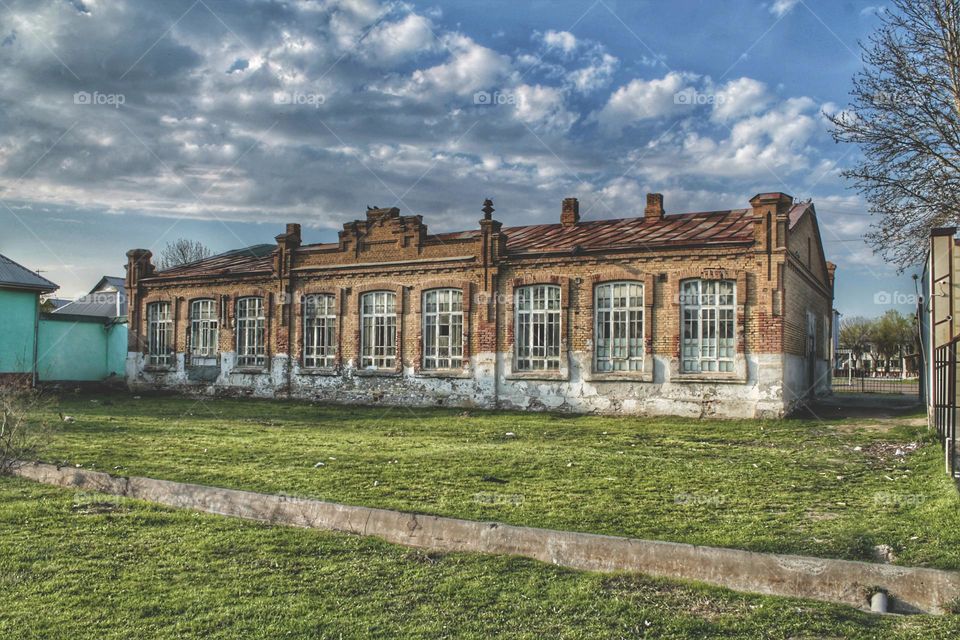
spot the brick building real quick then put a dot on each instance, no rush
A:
(721, 313)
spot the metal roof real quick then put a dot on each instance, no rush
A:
(101, 304)
(258, 257)
(16, 276)
(734, 226)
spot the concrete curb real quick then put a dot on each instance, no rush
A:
(911, 590)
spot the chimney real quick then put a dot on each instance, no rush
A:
(290, 239)
(654, 206)
(570, 213)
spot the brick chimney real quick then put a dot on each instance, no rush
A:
(570, 213)
(290, 239)
(654, 208)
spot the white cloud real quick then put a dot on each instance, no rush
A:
(391, 42)
(594, 76)
(757, 145)
(563, 40)
(781, 8)
(470, 67)
(542, 105)
(641, 100)
(740, 97)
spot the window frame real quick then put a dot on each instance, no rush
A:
(242, 333)
(719, 310)
(388, 329)
(203, 326)
(530, 332)
(330, 330)
(454, 362)
(636, 343)
(154, 357)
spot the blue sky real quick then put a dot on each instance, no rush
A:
(129, 124)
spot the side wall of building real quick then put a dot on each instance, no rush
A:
(19, 326)
(808, 315)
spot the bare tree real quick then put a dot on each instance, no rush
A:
(905, 117)
(22, 432)
(182, 251)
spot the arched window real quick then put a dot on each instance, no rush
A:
(251, 332)
(618, 327)
(319, 331)
(159, 334)
(708, 316)
(537, 328)
(378, 330)
(443, 329)
(204, 332)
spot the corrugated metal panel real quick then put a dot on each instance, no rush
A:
(16, 275)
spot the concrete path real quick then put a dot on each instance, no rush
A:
(911, 590)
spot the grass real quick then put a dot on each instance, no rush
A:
(831, 489)
(79, 565)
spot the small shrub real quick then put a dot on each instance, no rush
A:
(22, 434)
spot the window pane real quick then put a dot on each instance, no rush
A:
(537, 339)
(378, 328)
(618, 327)
(443, 329)
(708, 332)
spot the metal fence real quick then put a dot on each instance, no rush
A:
(945, 403)
(895, 386)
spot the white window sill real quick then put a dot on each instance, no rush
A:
(618, 376)
(374, 373)
(443, 373)
(318, 371)
(250, 370)
(719, 378)
(556, 376)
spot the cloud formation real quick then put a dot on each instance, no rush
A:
(309, 110)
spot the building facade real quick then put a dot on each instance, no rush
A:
(722, 313)
(20, 293)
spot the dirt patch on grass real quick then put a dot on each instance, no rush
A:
(97, 508)
(883, 452)
(673, 597)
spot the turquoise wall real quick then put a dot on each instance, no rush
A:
(18, 312)
(117, 350)
(80, 350)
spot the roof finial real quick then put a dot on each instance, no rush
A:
(487, 209)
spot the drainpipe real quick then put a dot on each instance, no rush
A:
(36, 343)
(879, 602)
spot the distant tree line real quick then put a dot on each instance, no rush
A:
(887, 342)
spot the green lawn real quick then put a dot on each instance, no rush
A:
(789, 486)
(77, 565)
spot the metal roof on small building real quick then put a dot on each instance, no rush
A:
(14, 275)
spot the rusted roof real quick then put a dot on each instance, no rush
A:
(705, 228)
(797, 211)
(733, 226)
(249, 259)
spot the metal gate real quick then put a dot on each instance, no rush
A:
(945, 402)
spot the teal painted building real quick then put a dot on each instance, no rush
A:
(20, 291)
(84, 341)
(81, 348)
